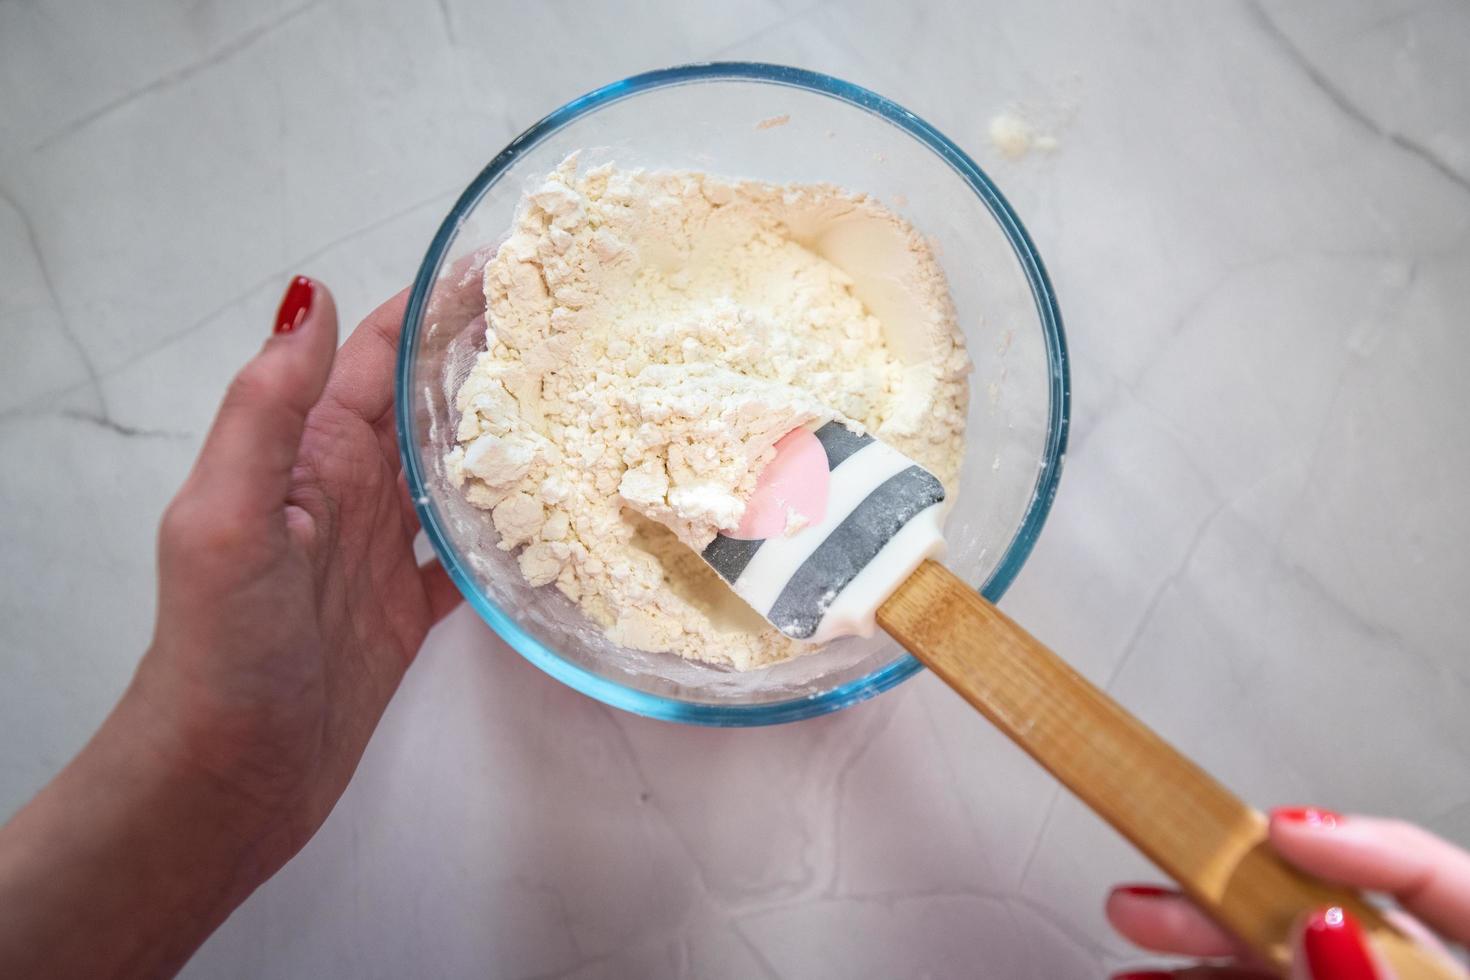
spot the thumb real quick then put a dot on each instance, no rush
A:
(1331, 946)
(1429, 877)
(245, 466)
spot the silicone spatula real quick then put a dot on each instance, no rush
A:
(841, 534)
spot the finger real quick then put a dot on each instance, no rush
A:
(1196, 973)
(443, 595)
(245, 465)
(363, 381)
(458, 295)
(1418, 932)
(408, 514)
(1329, 945)
(1163, 920)
(1428, 876)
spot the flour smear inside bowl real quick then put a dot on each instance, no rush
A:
(651, 335)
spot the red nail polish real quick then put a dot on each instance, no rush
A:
(1333, 945)
(295, 304)
(1143, 975)
(1145, 891)
(1312, 816)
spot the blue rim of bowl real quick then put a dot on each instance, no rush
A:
(656, 706)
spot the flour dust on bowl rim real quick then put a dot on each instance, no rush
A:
(784, 125)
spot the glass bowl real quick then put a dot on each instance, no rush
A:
(779, 124)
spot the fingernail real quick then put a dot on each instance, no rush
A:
(1311, 816)
(1143, 975)
(1333, 946)
(295, 305)
(1145, 891)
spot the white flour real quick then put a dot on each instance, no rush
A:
(651, 336)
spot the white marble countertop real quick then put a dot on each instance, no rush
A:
(1258, 221)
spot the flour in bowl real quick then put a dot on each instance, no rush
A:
(651, 335)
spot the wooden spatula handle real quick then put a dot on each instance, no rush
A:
(1194, 829)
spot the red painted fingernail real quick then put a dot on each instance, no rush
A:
(295, 304)
(1143, 975)
(1333, 946)
(1145, 891)
(1312, 816)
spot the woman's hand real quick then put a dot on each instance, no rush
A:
(290, 605)
(1429, 877)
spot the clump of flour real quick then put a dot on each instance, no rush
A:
(1015, 136)
(651, 336)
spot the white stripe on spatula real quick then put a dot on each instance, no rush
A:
(761, 582)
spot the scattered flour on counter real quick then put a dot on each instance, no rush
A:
(651, 335)
(1014, 136)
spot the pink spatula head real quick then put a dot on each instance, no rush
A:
(792, 492)
(871, 516)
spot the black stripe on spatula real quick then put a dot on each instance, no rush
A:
(729, 556)
(850, 547)
(840, 442)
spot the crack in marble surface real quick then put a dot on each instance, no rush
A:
(118, 428)
(678, 944)
(756, 953)
(231, 48)
(1347, 612)
(1365, 626)
(1060, 923)
(1314, 458)
(446, 20)
(559, 900)
(1342, 610)
(1045, 823)
(1007, 902)
(1362, 343)
(667, 935)
(889, 899)
(839, 784)
(279, 276)
(1344, 102)
(1181, 323)
(815, 886)
(630, 752)
(283, 274)
(577, 967)
(1083, 427)
(1395, 17)
(1016, 924)
(765, 32)
(94, 380)
(973, 823)
(1181, 568)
